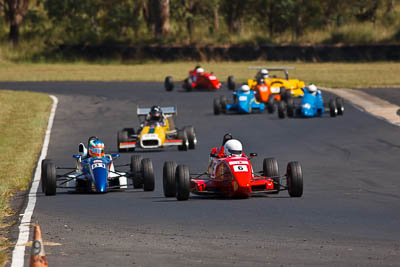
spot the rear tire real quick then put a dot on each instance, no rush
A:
(188, 84)
(224, 101)
(290, 107)
(169, 83)
(271, 104)
(191, 136)
(185, 142)
(294, 175)
(340, 106)
(271, 170)
(217, 106)
(332, 108)
(231, 83)
(136, 171)
(281, 109)
(43, 175)
(169, 172)
(50, 178)
(148, 175)
(182, 182)
(122, 137)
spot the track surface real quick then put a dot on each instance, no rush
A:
(389, 94)
(349, 214)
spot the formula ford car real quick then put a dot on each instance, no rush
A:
(155, 135)
(198, 79)
(232, 177)
(310, 105)
(96, 174)
(244, 102)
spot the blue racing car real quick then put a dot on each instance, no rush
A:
(95, 172)
(244, 102)
(311, 105)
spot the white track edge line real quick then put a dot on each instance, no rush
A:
(18, 255)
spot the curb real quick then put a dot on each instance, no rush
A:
(376, 106)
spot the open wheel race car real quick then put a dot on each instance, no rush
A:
(157, 134)
(96, 174)
(232, 177)
(197, 79)
(310, 105)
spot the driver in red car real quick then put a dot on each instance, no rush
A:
(220, 152)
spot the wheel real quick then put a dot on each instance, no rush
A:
(294, 175)
(332, 108)
(287, 95)
(122, 137)
(271, 170)
(282, 93)
(182, 178)
(224, 101)
(136, 171)
(49, 178)
(148, 175)
(217, 106)
(339, 105)
(281, 109)
(169, 185)
(43, 175)
(290, 107)
(188, 84)
(169, 83)
(130, 131)
(271, 104)
(185, 142)
(231, 83)
(191, 136)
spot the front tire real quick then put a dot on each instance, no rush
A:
(271, 104)
(294, 175)
(185, 142)
(332, 108)
(231, 83)
(148, 175)
(50, 178)
(182, 182)
(340, 106)
(281, 109)
(136, 171)
(271, 170)
(217, 106)
(188, 84)
(290, 107)
(169, 172)
(169, 83)
(122, 137)
(191, 136)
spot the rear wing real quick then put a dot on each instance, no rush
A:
(168, 111)
(284, 69)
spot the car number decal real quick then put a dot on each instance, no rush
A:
(211, 77)
(242, 98)
(263, 88)
(240, 168)
(98, 165)
(275, 89)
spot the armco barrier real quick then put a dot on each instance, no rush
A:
(312, 53)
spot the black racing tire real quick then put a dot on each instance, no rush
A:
(271, 104)
(50, 178)
(122, 137)
(290, 107)
(148, 175)
(169, 83)
(271, 170)
(224, 101)
(169, 172)
(333, 111)
(217, 106)
(294, 176)
(339, 105)
(185, 142)
(130, 131)
(281, 109)
(191, 136)
(43, 174)
(287, 94)
(182, 178)
(136, 171)
(231, 83)
(188, 84)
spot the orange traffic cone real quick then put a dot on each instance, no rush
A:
(38, 257)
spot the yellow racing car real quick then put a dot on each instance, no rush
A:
(156, 134)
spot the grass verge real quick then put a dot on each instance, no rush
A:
(23, 122)
(335, 75)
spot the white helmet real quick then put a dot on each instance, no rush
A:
(233, 147)
(312, 88)
(264, 73)
(200, 70)
(245, 88)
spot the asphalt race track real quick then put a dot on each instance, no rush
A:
(349, 214)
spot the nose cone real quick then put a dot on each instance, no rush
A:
(100, 179)
(244, 107)
(241, 185)
(307, 112)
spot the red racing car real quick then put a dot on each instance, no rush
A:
(230, 175)
(198, 79)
